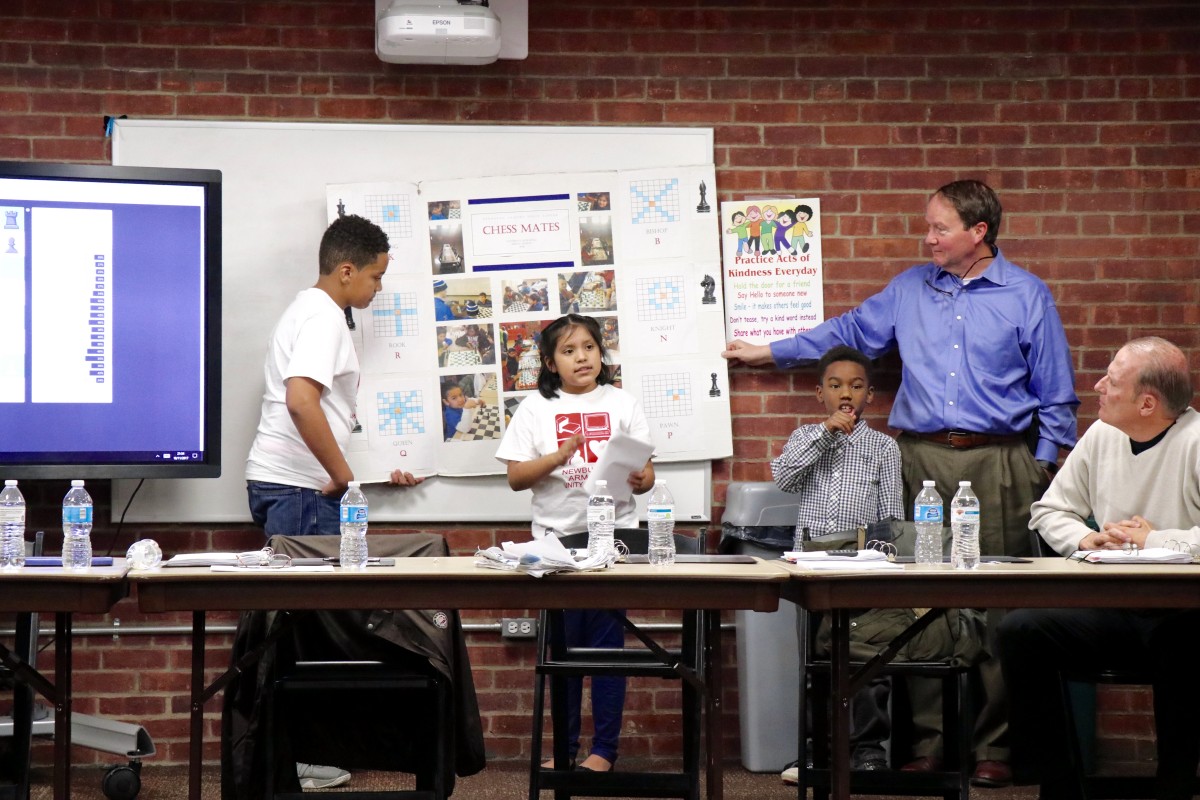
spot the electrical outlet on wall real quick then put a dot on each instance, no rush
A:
(518, 627)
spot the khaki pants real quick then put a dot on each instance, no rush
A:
(1007, 480)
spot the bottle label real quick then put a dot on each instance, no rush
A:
(77, 515)
(927, 514)
(660, 513)
(11, 514)
(968, 515)
(601, 514)
(354, 514)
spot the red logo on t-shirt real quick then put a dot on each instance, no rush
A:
(594, 426)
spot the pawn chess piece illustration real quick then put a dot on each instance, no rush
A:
(703, 207)
(714, 391)
(709, 286)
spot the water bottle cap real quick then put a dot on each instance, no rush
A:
(10, 483)
(601, 483)
(929, 483)
(77, 482)
(353, 484)
(964, 483)
(660, 481)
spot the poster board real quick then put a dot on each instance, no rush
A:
(479, 268)
(275, 176)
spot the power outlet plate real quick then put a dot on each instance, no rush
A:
(518, 627)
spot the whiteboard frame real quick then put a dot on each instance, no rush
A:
(278, 171)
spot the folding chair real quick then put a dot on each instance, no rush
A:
(557, 662)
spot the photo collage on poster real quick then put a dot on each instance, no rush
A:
(450, 347)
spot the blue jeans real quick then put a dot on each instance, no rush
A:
(292, 511)
(591, 628)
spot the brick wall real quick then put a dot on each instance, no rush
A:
(1085, 116)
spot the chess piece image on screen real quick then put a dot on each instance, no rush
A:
(703, 207)
(709, 286)
(714, 391)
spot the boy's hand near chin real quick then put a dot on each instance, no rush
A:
(843, 421)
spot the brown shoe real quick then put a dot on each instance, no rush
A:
(923, 764)
(993, 774)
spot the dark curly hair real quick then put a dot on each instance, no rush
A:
(549, 382)
(351, 238)
(843, 353)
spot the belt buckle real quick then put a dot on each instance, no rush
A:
(950, 438)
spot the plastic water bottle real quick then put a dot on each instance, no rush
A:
(660, 514)
(964, 525)
(801, 539)
(77, 528)
(353, 551)
(927, 514)
(144, 554)
(601, 519)
(12, 527)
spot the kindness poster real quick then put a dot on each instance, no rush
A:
(773, 273)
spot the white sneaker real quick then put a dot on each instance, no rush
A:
(315, 776)
(791, 773)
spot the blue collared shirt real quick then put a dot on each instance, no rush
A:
(981, 357)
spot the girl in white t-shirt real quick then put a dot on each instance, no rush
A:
(550, 446)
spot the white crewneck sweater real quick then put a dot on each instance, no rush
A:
(1102, 478)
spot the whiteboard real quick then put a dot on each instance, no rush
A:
(274, 213)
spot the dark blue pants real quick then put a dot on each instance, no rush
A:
(1036, 644)
(593, 628)
(292, 511)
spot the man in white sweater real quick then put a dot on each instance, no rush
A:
(1136, 473)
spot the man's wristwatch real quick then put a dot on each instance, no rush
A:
(1049, 466)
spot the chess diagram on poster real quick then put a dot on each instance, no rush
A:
(400, 413)
(661, 298)
(654, 200)
(394, 314)
(392, 212)
(667, 395)
(481, 266)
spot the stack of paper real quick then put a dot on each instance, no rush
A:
(1151, 555)
(539, 557)
(203, 560)
(821, 559)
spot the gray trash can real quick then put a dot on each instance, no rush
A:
(760, 520)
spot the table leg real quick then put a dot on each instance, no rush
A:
(62, 706)
(712, 671)
(196, 731)
(839, 757)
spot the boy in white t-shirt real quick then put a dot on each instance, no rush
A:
(297, 472)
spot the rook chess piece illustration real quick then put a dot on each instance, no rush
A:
(703, 207)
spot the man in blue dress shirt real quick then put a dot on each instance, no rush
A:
(986, 378)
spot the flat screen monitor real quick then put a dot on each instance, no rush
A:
(110, 321)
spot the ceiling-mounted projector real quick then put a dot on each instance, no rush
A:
(433, 32)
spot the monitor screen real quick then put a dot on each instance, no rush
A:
(110, 321)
